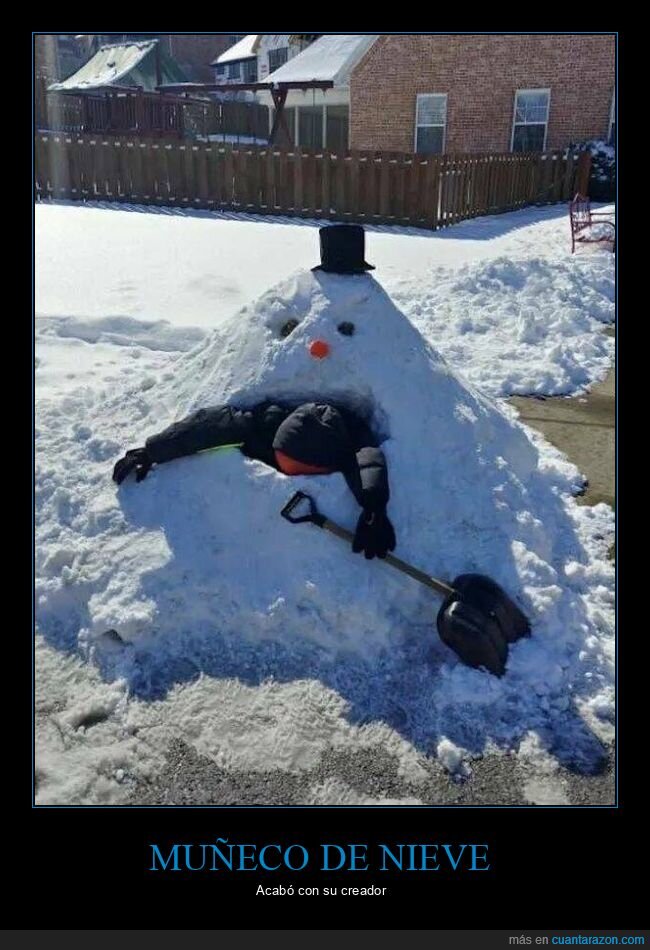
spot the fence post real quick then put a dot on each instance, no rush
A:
(40, 103)
(58, 165)
(139, 111)
(583, 170)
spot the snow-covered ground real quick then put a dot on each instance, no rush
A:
(498, 296)
(127, 304)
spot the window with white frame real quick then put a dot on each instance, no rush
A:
(530, 122)
(430, 122)
(611, 138)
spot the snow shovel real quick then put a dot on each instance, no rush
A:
(477, 619)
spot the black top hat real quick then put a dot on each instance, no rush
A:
(342, 249)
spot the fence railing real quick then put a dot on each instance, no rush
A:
(124, 112)
(429, 191)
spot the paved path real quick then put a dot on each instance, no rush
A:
(584, 429)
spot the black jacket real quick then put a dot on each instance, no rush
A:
(313, 433)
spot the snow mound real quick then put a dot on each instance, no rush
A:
(122, 331)
(520, 325)
(199, 575)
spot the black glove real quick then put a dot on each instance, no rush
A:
(137, 459)
(374, 535)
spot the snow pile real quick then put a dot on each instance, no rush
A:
(451, 758)
(519, 325)
(206, 584)
(601, 230)
(122, 331)
(539, 774)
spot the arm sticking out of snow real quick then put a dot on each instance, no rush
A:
(367, 476)
(203, 429)
(368, 479)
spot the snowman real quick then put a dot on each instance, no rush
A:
(189, 587)
(314, 437)
(318, 379)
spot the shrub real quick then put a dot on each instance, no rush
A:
(602, 178)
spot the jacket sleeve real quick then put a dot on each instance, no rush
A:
(367, 477)
(203, 429)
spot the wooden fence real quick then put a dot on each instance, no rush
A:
(429, 191)
(150, 114)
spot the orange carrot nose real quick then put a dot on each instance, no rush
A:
(319, 349)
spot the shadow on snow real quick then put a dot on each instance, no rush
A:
(483, 228)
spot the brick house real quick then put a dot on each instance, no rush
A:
(482, 93)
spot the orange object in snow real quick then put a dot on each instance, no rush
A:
(289, 466)
(319, 349)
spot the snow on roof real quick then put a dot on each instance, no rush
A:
(245, 49)
(332, 57)
(108, 65)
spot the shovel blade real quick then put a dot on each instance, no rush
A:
(478, 622)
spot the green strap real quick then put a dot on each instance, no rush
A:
(221, 448)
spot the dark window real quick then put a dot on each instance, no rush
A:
(249, 70)
(430, 139)
(529, 138)
(234, 71)
(336, 135)
(310, 120)
(277, 58)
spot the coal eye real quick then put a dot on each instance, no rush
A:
(288, 328)
(347, 329)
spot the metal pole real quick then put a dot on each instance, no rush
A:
(157, 60)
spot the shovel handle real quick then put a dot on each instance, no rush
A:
(315, 517)
(439, 586)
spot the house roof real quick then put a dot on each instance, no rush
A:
(123, 64)
(245, 49)
(332, 57)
